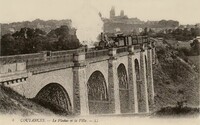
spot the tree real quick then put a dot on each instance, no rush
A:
(195, 47)
(65, 39)
(29, 40)
(7, 45)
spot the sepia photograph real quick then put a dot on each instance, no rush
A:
(99, 62)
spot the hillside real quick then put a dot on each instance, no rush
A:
(13, 103)
(46, 26)
(174, 79)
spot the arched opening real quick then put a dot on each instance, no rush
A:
(137, 69)
(147, 79)
(146, 68)
(123, 88)
(54, 97)
(97, 94)
(139, 86)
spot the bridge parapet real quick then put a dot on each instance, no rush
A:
(97, 53)
(13, 73)
(20, 66)
(19, 58)
(122, 49)
(112, 52)
(58, 57)
(131, 49)
(137, 47)
(65, 52)
(42, 58)
(49, 60)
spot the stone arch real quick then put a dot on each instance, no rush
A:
(97, 94)
(123, 88)
(55, 97)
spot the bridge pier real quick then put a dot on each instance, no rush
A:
(113, 86)
(80, 85)
(144, 92)
(150, 78)
(132, 81)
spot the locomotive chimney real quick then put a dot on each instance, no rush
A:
(102, 39)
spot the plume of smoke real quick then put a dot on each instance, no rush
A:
(88, 24)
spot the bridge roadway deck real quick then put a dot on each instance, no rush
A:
(38, 62)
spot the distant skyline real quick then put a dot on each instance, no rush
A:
(84, 13)
(184, 11)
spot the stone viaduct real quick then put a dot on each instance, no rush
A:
(83, 82)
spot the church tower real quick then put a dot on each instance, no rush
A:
(122, 13)
(112, 12)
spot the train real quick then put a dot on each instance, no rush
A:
(120, 40)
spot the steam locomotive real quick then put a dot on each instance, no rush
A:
(120, 40)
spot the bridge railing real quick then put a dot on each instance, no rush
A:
(122, 49)
(60, 58)
(146, 45)
(65, 55)
(36, 58)
(97, 53)
(64, 52)
(19, 58)
(49, 60)
(34, 61)
(137, 47)
(125, 49)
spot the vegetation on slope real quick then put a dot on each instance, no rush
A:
(176, 82)
(13, 103)
(46, 26)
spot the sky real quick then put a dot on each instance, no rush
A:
(84, 13)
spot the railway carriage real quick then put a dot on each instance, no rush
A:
(120, 40)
